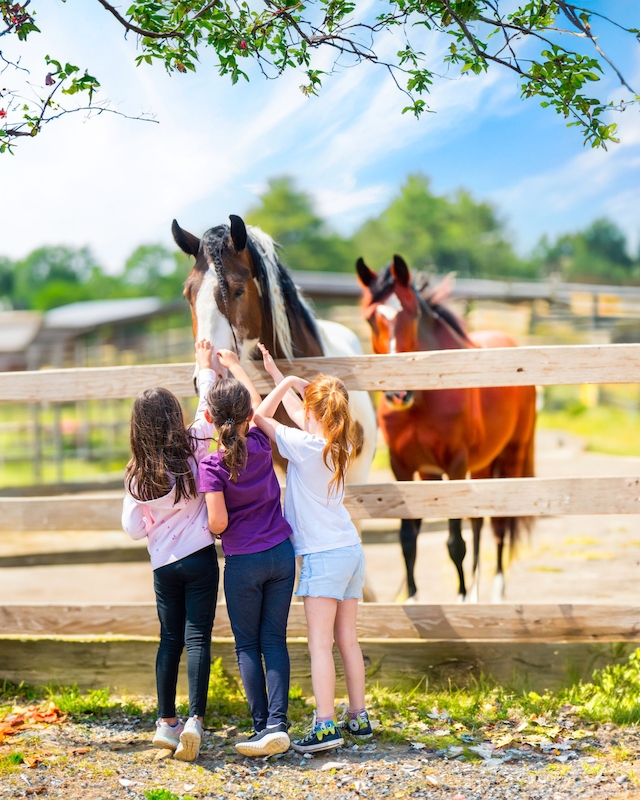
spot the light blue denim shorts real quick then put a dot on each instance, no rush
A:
(335, 573)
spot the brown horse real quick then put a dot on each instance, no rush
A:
(487, 433)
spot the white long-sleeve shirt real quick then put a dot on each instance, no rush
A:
(175, 530)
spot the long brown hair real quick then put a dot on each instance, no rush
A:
(229, 404)
(328, 400)
(161, 448)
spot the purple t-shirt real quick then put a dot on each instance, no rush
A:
(256, 522)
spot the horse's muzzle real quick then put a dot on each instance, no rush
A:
(399, 401)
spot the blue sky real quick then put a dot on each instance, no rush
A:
(112, 184)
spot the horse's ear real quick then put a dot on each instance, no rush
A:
(400, 271)
(365, 275)
(186, 241)
(238, 232)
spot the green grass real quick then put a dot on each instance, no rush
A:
(10, 762)
(437, 718)
(605, 429)
(165, 794)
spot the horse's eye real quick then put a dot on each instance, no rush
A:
(238, 293)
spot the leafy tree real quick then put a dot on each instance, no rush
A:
(440, 233)
(289, 217)
(45, 266)
(598, 254)
(6, 279)
(554, 47)
(153, 270)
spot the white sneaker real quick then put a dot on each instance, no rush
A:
(190, 740)
(167, 736)
(267, 742)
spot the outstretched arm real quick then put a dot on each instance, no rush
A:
(290, 400)
(230, 361)
(263, 416)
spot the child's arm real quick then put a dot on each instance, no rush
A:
(134, 521)
(201, 428)
(217, 512)
(291, 402)
(268, 406)
(230, 360)
(263, 416)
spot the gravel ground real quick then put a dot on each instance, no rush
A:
(96, 760)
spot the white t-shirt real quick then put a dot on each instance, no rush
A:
(319, 521)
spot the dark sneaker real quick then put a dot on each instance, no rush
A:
(359, 726)
(322, 736)
(271, 740)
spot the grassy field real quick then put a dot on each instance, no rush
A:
(611, 696)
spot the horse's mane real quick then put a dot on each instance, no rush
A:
(431, 301)
(278, 293)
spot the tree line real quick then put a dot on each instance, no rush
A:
(433, 233)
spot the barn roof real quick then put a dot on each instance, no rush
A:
(91, 314)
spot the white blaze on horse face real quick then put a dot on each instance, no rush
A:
(212, 325)
(390, 313)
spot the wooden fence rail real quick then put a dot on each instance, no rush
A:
(500, 497)
(478, 623)
(443, 369)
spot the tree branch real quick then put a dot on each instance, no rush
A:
(175, 34)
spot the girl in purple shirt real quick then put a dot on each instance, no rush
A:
(243, 503)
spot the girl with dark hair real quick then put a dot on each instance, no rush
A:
(319, 451)
(162, 503)
(243, 501)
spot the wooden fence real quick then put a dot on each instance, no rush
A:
(539, 646)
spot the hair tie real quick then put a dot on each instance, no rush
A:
(229, 421)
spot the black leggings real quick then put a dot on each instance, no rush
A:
(186, 596)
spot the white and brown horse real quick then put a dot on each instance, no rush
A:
(240, 294)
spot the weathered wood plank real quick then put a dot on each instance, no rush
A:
(503, 497)
(505, 622)
(128, 665)
(449, 369)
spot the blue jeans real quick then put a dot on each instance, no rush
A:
(258, 588)
(186, 596)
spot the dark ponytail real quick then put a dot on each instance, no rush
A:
(229, 404)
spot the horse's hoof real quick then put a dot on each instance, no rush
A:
(412, 600)
(462, 598)
(497, 589)
(472, 597)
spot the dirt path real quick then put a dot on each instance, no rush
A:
(114, 759)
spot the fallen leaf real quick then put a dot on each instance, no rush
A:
(417, 745)
(79, 751)
(333, 765)
(32, 762)
(126, 782)
(431, 779)
(163, 754)
(189, 786)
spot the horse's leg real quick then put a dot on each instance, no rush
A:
(457, 551)
(500, 525)
(409, 530)
(476, 527)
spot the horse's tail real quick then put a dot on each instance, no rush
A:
(519, 466)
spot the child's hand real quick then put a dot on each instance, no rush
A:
(204, 354)
(267, 359)
(299, 385)
(227, 358)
